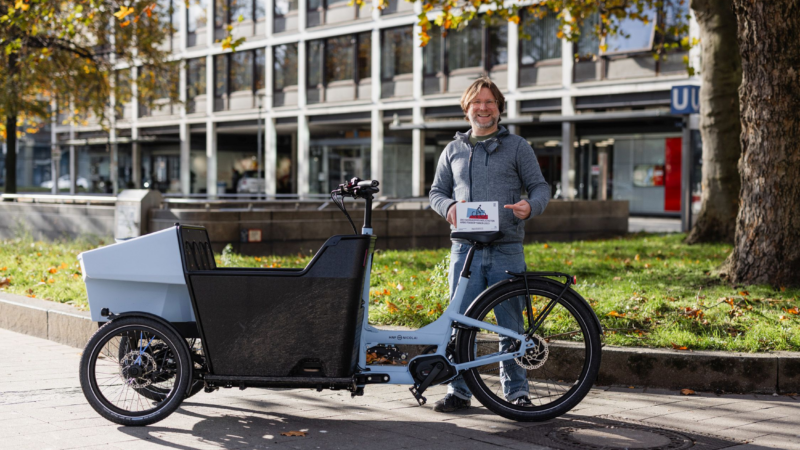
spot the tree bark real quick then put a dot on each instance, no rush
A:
(11, 154)
(720, 126)
(767, 247)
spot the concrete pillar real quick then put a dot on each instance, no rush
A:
(136, 159)
(113, 163)
(211, 158)
(303, 151)
(55, 150)
(375, 56)
(271, 156)
(568, 160)
(136, 149)
(376, 153)
(211, 31)
(73, 164)
(186, 159)
(417, 135)
(512, 105)
(417, 58)
(513, 57)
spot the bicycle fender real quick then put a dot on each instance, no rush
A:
(560, 286)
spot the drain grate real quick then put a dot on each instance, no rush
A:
(595, 433)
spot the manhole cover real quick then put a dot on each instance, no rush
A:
(622, 437)
(595, 433)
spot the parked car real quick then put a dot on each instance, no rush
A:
(63, 183)
(252, 182)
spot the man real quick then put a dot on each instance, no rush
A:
(488, 164)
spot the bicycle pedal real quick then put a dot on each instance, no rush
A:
(418, 396)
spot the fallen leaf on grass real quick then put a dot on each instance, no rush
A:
(679, 347)
(294, 433)
(392, 307)
(4, 282)
(400, 287)
(617, 278)
(52, 270)
(615, 314)
(782, 318)
(794, 310)
(687, 391)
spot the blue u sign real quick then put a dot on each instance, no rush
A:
(685, 100)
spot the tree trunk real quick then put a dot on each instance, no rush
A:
(719, 122)
(767, 247)
(11, 154)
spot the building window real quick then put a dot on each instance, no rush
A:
(285, 66)
(464, 47)
(241, 64)
(196, 20)
(315, 63)
(339, 53)
(396, 52)
(477, 46)
(235, 11)
(238, 72)
(543, 44)
(283, 7)
(341, 58)
(195, 83)
(123, 93)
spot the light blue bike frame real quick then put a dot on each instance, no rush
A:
(437, 333)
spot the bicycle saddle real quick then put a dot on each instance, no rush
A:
(482, 237)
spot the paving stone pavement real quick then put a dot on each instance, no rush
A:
(43, 407)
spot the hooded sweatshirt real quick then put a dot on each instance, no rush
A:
(495, 169)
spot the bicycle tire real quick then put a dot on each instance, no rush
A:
(581, 350)
(159, 355)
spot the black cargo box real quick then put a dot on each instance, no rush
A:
(279, 322)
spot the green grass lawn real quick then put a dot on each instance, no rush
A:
(648, 290)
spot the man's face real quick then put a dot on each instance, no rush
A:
(483, 110)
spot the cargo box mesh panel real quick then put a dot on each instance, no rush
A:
(285, 322)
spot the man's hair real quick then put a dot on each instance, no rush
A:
(475, 88)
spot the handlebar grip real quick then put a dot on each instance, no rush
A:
(368, 183)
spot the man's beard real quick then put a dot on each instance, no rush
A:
(474, 122)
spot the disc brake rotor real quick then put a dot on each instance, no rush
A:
(535, 356)
(135, 371)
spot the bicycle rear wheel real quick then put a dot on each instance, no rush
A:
(555, 376)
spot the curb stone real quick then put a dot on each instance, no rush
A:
(731, 372)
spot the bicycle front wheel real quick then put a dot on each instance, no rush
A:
(552, 377)
(135, 371)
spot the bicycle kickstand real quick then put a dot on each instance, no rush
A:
(418, 390)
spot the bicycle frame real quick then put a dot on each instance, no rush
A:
(437, 333)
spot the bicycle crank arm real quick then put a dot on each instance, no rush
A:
(417, 390)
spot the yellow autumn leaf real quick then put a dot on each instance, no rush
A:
(20, 4)
(615, 314)
(125, 24)
(687, 392)
(392, 307)
(124, 11)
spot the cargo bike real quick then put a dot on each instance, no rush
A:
(174, 324)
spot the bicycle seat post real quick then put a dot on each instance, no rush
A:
(465, 272)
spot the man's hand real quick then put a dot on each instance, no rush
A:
(451, 214)
(522, 209)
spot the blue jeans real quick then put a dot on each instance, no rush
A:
(488, 267)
